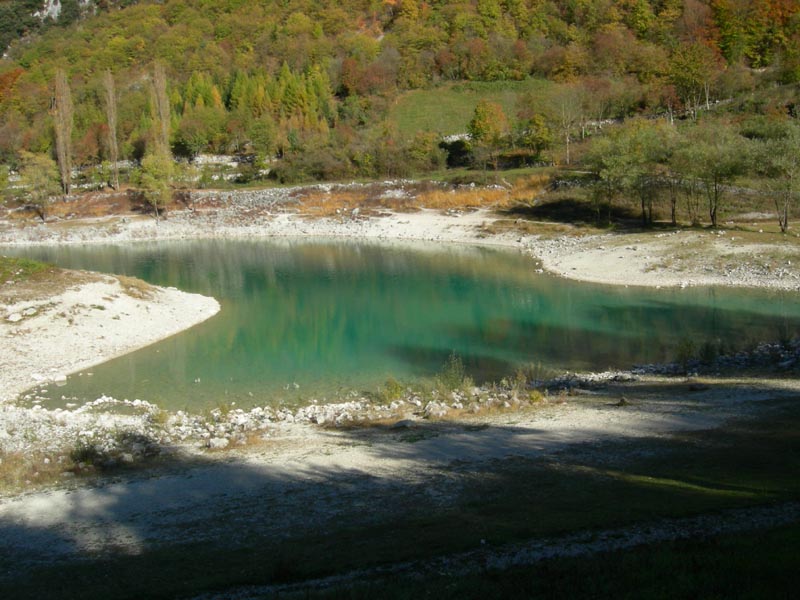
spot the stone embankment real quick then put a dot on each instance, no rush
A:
(124, 430)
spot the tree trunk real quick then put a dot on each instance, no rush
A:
(63, 123)
(782, 207)
(673, 200)
(111, 119)
(713, 192)
(644, 210)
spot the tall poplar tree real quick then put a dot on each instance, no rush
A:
(161, 110)
(111, 118)
(63, 122)
(157, 166)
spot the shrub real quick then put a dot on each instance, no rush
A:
(453, 374)
(85, 452)
(392, 389)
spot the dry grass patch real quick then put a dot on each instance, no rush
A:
(372, 199)
(528, 187)
(31, 470)
(323, 204)
(36, 281)
(542, 229)
(136, 288)
(460, 198)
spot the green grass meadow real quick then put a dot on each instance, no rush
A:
(448, 109)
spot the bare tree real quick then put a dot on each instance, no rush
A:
(63, 121)
(778, 160)
(111, 118)
(565, 111)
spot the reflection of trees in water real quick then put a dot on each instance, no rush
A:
(324, 309)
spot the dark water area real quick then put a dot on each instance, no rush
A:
(316, 319)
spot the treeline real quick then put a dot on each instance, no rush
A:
(312, 82)
(696, 166)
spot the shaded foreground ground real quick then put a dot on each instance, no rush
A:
(308, 505)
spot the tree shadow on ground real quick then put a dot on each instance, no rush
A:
(575, 212)
(378, 495)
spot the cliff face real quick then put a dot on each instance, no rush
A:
(19, 18)
(66, 10)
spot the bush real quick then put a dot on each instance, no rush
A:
(453, 374)
(85, 452)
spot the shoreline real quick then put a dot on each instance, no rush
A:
(679, 258)
(99, 324)
(88, 324)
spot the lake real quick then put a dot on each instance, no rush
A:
(318, 319)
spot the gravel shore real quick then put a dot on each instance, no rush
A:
(42, 341)
(671, 259)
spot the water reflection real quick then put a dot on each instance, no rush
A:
(302, 319)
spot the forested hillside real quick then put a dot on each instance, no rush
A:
(319, 84)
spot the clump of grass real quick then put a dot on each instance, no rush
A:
(453, 375)
(86, 453)
(159, 417)
(20, 269)
(136, 288)
(535, 372)
(536, 397)
(463, 198)
(392, 390)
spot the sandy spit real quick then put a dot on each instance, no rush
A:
(45, 340)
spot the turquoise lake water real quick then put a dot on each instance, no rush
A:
(317, 319)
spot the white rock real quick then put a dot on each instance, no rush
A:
(14, 318)
(218, 443)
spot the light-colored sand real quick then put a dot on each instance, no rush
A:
(85, 325)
